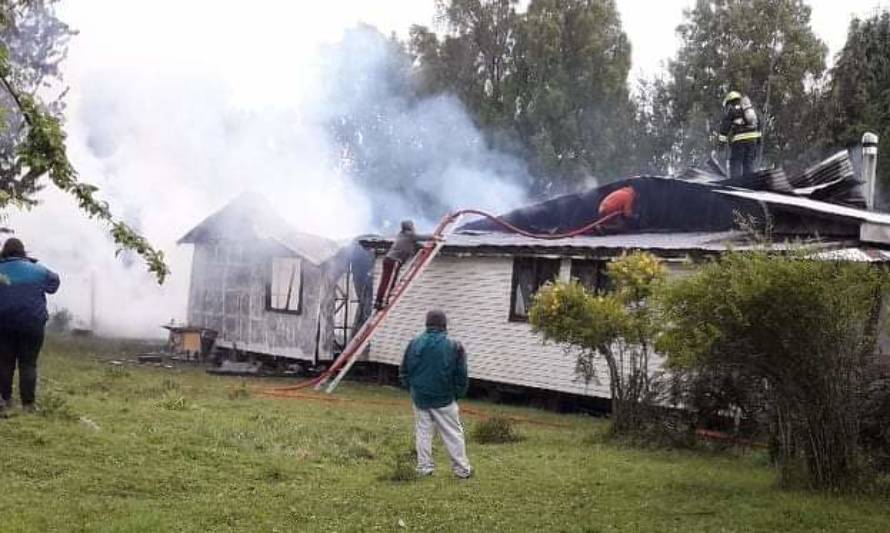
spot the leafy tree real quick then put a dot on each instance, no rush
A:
(764, 48)
(475, 58)
(858, 100)
(573, 109)
(656, 150)
(549, 84)
(805, 329)
(618, 327)
(32, 142)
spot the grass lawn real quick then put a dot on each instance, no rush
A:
(130, 448)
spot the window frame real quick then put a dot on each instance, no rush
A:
(536, 262)
(271, 281)
(603, 284)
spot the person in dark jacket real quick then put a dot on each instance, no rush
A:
(434, 369)
(24, 285)
(741, 129)
(402, 250)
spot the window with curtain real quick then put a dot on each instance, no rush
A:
(529, 273)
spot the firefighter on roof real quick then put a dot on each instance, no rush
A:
(618, 210)
(740, 128)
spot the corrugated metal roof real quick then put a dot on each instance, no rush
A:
(799, 203)
(678, 242)
(666, 241)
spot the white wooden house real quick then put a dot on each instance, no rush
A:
(484, 277)
(484, 283)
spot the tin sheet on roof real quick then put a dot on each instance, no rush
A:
(701, 241)
(666, 241)
(800, 203)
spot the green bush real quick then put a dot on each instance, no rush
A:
(618, 328)
(495, 430)
(799, 335)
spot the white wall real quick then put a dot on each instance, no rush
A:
(475, 294)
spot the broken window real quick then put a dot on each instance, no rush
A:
(592, 275)
(285, 292)
(529, 273)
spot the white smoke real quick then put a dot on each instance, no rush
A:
(169, 146)
(414, 156)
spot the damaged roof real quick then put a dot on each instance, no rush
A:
(664, 244)
(806, 205)
(820, 206)
(823, 200)
(250, 216)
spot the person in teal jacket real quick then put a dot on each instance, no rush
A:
(434, 369)
(24, 285)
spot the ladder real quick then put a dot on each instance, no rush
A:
(360, 340)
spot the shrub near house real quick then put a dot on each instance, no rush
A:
(806, 332)
(619, 327)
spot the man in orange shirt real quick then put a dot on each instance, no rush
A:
(619, 207)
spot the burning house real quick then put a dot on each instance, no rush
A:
(272, 291)
(267, 289)
(484, 278)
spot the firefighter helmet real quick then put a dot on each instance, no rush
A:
(730, 96)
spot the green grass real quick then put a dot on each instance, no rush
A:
(180, 450)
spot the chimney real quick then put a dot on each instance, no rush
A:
(869, 167)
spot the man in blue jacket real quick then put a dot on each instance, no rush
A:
(24, 285)
(434, 369)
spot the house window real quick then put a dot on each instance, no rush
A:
(529, 273)
(285, 292)
(591, 274)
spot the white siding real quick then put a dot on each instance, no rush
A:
(475, 294)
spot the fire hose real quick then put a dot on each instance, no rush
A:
(358, 343)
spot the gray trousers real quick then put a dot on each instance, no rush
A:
(445, 420)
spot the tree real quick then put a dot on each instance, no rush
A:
(763, 48)
(858, 100)
(805, 329)
(479, 49)
(32, 142)
(549, 84)
(573, 109)
(618, 327)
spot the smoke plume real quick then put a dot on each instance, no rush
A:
(353, 151)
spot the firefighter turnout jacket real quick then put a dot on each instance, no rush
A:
(740, 122)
